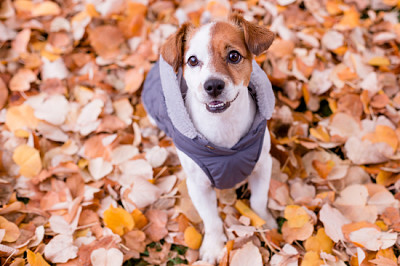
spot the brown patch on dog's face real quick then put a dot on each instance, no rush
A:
(227, 38)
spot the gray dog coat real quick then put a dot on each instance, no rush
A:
(163, 98)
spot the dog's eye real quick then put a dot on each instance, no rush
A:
(193, 61)
(234, 57)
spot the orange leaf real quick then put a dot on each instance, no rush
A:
(323, 169)
(28, 159)
(319, 242)
(46, 8)
(139, 218)
(296, 216)
(12, 231)
(21, 117)
(383, 134)
(311, 258)
(192, 238)
(35, 259)
(118, 220)
(244, 210)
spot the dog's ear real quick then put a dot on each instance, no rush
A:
(173, 49)
(257, 38)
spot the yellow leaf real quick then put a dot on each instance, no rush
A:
(296, 216)
(118, 220)
(386, 253)
(320, 133)
(21, 117)
(319, 242)
(323, 168)
(36, 259)
(379, 61)
(23, 5)
(139, 219)
(192, 238)
(49, 55)
(311, 258)
(381, 224)
(244, 210)
(350, 19)
(12, 231)
(383, 134)
(46, 8)
(28, 159)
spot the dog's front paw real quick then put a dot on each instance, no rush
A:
(212, 247)
(268, 218)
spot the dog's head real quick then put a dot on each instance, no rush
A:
(217, 58)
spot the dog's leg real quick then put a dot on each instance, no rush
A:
(259, 184)
(205, 201)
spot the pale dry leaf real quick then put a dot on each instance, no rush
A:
(383, 200)
(21, 41)
(109, 257)
(99, 168)
(60, 249)
(143, 193)
(365, 152)
(123, 110)
(55, 69)
(50, 108)
(333, 221)
(320, 82)
(51, 132)
(139, 168)
(332, 39)
(123, 153)
(87, 120)
(249, 255)
(156, 156)
(373, 239)
(22, 79)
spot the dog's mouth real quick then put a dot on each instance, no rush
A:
(219, 106)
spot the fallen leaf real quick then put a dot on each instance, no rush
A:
(296, 216)
(156, 229)
(99, 168)
(248, 255)
(118, 220)
(46, 8)
(311, 258)
(319, 242)
(28, 159)
(22, 79)
(383, 134)
(60, 249)
(333, 221)
(244, 210)
(106, 40)
(35, 259)
(192, 237)
(109, 257)
(379, 61)
(12, 231)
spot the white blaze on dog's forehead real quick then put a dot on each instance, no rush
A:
(199, 44)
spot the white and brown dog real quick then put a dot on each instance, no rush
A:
(210, 96)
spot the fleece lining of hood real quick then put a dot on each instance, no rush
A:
(173, 84)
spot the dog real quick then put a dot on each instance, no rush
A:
(210, 96)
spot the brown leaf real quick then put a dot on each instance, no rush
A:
(106, 41)
(156, 229)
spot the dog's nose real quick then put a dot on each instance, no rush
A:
(214, 87)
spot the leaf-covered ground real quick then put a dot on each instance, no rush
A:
(85, 179)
